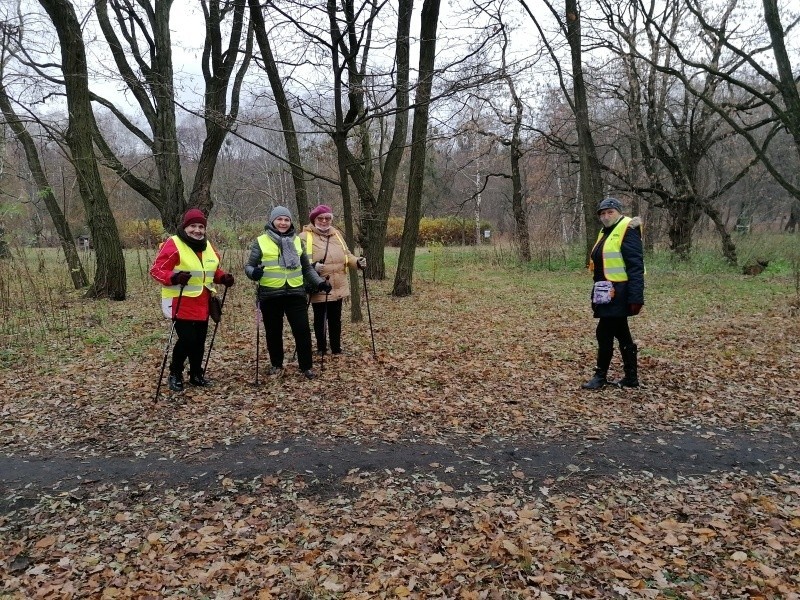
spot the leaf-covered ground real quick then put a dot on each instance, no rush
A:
(478, 356)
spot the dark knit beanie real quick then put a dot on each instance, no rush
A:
(193, 215)
(610, 203)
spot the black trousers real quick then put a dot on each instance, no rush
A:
(191, 344)
(609, 328)
(333, 311)
(294, 307)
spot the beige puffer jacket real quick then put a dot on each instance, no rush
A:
(337, 261)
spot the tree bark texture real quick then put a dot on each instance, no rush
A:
(218, 66)
(590, 168)
(109, 280)
(282, 104)
(419, 134)
(375, 218)
(788, 83)
(154, 93)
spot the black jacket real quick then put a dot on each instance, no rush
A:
(310, 276)
(625, 292)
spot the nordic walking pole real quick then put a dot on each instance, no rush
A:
(213, 335)
(369, 314)
(258, 337)
(324, 332)
(169, 344)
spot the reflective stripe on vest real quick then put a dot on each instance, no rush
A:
(275, 275)
(201, 268)
(310, 246)
(613, 263)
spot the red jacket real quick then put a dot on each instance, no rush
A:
(190, 309)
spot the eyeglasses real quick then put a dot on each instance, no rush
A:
(324, 219)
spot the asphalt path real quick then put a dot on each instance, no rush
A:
(461, 463)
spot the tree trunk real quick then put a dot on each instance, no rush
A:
(419, 138)
(154, 95)
(590, 168)
(374, 208)
(684, 214)
(109, 278)
(788, 82)
(218, 64)
(728, 247)
(76, 271)
(375, 218)
(284, 112)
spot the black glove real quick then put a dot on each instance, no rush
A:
(258, 273)
(325, 287)
(227, 280)
(181, 278)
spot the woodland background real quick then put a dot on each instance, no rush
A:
(509, 116)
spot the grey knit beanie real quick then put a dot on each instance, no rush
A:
(279, 211)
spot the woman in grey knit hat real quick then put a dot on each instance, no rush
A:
(279, 262)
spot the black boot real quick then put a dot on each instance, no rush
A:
(631, 378)
(603, 362)
(598, 381)
(176, 382)
(199, 380)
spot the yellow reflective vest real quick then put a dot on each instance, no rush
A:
(613, 264)
(275, 276)
(201, 268)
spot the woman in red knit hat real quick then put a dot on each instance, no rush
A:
(187, 266)
(331, 259)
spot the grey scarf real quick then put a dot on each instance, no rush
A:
(288, 258)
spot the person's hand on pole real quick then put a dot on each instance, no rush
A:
(181, 278)
(227, 280)
(361, 263)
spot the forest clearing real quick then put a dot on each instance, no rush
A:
(461, 461)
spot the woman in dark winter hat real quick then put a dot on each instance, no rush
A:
(187, 266)
(331, 258)
(617, 265)
(279, 263)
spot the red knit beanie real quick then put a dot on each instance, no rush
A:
(322, 209)
(193, 215)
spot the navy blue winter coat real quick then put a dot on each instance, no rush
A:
(625, 292)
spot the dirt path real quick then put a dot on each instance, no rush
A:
(324, 464)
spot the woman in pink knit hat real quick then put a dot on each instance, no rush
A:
(332, 259)
(187, 266)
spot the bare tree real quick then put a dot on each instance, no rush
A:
(419, 143)
(284, 110)
(45, 190)
(218, 64)
(591, 182)
(760, 86)
(109, 279)
(349, 73)
(673, 132)
(144, 62)
(11, 34)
